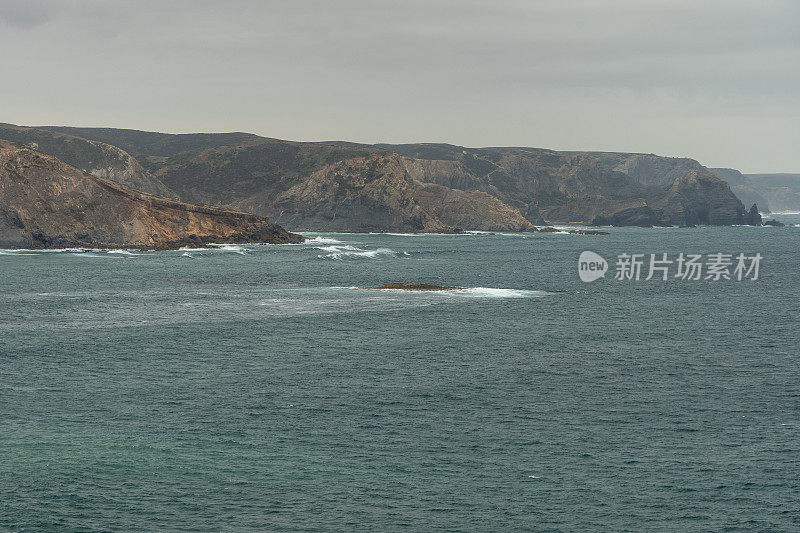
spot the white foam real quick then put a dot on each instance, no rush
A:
(400, 234)
(230, 248)
(322, 240)
(187, 254)
(489, 292)
(335, 249)
(14, 252)
(348, 251)
(190, 249)
(472, 292)
(462, 234)
(123, 252)
(51, 250)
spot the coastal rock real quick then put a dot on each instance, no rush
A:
(775, 223)
(45, 203)
(423, 287)
(702, 197)
(753, 217)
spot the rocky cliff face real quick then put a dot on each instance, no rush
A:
(744, 188)
(702, 197)
(583, 187)
(46, 203)
(339, 186)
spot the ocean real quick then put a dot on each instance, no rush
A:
(261, 388)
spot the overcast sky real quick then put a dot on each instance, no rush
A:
(716, 80)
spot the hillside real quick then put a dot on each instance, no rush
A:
(338, 186)
(90, 155)
(46, 203)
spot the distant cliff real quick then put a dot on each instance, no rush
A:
(583, 187)
(338, 186)
(744, 188)
(46, 203)
(781, 190)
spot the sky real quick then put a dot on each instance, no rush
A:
(715, 80)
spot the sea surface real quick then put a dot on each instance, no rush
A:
(260, 388)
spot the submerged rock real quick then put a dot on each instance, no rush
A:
(414, 287)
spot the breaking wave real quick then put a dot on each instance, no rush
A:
(322, 240)
(468, 292)
(348, 251)
(235, 248)
(489, 292)
(123, 252)
(15, 252)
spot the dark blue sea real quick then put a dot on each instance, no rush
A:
(260, 388)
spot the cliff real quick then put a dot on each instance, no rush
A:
(583, 187)
(46, 203)
(744, 188)
(782, 191)
(338, 186)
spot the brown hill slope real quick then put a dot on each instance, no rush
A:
(92, 156)
(45, 203)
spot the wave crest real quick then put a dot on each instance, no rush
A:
(348, 251)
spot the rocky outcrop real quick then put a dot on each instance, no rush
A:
(701, 197)
(45, 203)
(753, 217)
(420, 287)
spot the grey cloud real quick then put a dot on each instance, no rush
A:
(465, 71)
(27, 14)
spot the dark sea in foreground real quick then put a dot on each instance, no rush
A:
(254, 388)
